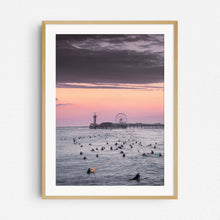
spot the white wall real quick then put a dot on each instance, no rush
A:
(199, 109)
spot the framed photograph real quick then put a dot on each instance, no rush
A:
(109, 110)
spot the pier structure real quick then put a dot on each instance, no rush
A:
(142, 125)
(121, 122)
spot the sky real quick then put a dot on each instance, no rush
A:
(109, 74)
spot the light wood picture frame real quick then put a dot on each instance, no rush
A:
(62, 43)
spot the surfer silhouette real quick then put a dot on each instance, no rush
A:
(91, 171)
(137, 177)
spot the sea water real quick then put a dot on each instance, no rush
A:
(112, 167)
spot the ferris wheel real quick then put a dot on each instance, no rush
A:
(121, 118)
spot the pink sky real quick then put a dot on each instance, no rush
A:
(143, 103)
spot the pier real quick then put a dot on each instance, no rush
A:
(141, 125)
(121, 123)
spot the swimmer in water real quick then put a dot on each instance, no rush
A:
(137, 177)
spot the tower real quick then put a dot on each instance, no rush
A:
(94, 118)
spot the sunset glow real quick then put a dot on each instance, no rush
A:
(75, 106)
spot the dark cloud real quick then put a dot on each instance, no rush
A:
(110, 58)
(147, 87)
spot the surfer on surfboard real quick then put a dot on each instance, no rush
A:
(91, 171)
(137, 177)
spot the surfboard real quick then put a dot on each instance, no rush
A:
(93, 170)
